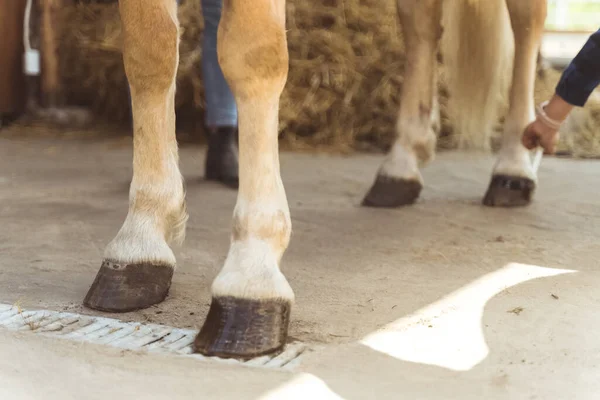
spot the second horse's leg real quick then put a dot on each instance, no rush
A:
(514, 180)
(399, 180)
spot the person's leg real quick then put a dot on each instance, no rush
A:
(221, 111)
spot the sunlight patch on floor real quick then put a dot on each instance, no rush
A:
(302, 387)
(448, 333)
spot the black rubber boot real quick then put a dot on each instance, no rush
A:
(222, 156)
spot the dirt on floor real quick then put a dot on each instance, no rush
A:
(529, 277)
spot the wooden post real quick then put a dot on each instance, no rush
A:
(52, 91)
(12, 79)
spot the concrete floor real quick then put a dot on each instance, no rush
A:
(442, 300)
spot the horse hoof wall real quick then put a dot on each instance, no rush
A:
(128, 287)
(509, 191)
(243, 328)
(392, 192)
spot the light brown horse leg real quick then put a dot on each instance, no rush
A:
(251, 299)
(399, 181)
(513, 181)
(138, 263)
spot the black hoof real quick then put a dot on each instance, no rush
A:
(243, 328)
(509, 191)
(128, 287)
(392, 192)
(222, 157)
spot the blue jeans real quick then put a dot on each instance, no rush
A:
(221, 110)
(220, 103)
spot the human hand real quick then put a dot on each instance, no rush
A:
(537, 134)
(544, 130)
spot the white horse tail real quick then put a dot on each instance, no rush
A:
(478, 48)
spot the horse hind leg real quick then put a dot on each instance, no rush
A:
(399, 180)
(138, 263)
(514, 180)
(251, 299)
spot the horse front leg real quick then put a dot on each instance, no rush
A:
(251, 299)
(399, 181)
(514, 180)
(138, 263)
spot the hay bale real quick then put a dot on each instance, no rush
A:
(343, 91)
(346, 68)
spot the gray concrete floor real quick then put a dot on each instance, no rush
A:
(445, 299)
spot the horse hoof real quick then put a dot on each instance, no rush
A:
(392, 192)
(128, 287)
(243, 328)
(509, 191)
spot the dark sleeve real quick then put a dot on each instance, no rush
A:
(582, 75)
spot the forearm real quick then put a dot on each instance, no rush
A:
(582, 75)
(558, 108)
